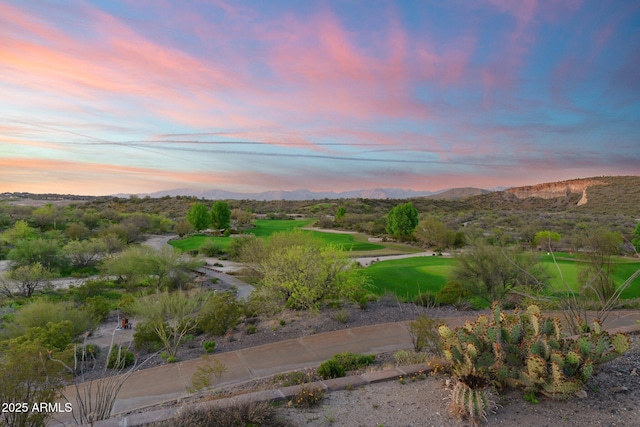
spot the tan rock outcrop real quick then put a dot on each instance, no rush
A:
(556, 189)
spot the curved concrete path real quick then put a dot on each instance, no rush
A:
(170, 382)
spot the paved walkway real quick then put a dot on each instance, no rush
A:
(170, 382)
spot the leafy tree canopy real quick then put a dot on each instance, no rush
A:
(198, 216)
(402, 220)
(220, 215)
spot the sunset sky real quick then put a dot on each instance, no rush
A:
(135, 96)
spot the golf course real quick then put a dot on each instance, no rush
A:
(408, 277)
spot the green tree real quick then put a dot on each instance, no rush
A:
(301, 271)
(220, 313)
(139, 264)
(19, 231)
(433, 233)
(220, 215)
(46, 252)
(77, 231)
(546, 239)
(172, 316)
(242, 218)
(27, 375)
(112, 243)
(47, 217)
(40, 313)
(636, 240)
(402, 220)
(26, 280)
(198, 216)
(183, 228)
(340, 214)
(84, 253)
(170, 268)
(91, 218)
(597, 273)
(491, 272)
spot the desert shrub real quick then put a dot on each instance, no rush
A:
(451, 293)
(146, 338)
(292, 378)
(90, 288)
(427, 299)
(211, 248)
(209, 346)
(87, 352)
(206, 375)
(340, 363)
(424, 334)
(262, 302)
(234, 250)
(99, 307)
(331, 369)
(308, 397)
(405, 357)
(353, 361)
(120, 358)
(40, 313)
(52, 336)
(241, 414)
(220, 313)
(341, 316)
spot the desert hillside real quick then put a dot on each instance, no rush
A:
(552, 190)
(595, 195)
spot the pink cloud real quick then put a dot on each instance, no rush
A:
(41, 175)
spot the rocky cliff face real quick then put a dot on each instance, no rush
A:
(557, 189)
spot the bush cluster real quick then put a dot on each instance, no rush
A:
(308, 397)
(340, 363)
(120, 358)
(220, 313)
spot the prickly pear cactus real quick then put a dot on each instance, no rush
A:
(473, 404)
(599, 346)
(527, 350)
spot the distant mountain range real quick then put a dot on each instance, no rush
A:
(375, 193)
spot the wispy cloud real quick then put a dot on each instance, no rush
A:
(263, 95)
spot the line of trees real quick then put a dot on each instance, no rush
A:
(218, 217)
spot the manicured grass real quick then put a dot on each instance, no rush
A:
(622, 272)
(409, 277)
(193, 243)
(266, 227)
(347, 241)
(569, 267)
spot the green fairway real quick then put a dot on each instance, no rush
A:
(568, 268)
(409, 277)
(347, 241)
(193, 243)
(266, 227)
